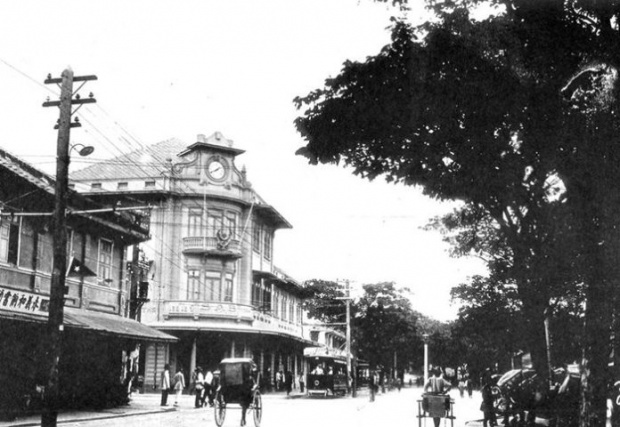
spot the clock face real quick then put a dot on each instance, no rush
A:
(216, 169)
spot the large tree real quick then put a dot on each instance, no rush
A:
(385, 327)
(495, 112)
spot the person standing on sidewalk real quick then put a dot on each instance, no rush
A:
(165, 385)
(487, 401)
(372, 385)
(209, 388)
(179, 385)
(302, 382)
(199, 386)
(288, 382)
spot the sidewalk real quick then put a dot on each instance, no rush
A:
(148, 403)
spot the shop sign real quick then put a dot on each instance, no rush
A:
(23, 302)
(223, 309)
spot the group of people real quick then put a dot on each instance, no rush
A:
(284, 381)
(202, 385)
(169, 385)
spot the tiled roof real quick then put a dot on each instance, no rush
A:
(147, 162)
(26, 171)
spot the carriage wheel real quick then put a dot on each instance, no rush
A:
(220, 409)
(257, 403)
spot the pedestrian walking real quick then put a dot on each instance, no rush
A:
(165, 385)
(279, 380)
(199, 387)
(288, 382)
(487, 401)
(179, 385)
(302, 382)
(209, 388)
(372, 385)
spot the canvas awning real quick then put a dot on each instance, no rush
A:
(101, 323)
(112, 324)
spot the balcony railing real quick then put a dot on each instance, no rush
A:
(212, 245)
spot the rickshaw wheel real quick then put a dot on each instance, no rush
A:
(220, 409)
(257, 403)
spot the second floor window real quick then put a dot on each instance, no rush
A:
(256, 238)
(230, 223)
(267, 299)
(195, 223)
(214, 221)
(256, 293)
(104, 261)
(228, 288)
(193, 285)
(9, 240)
(267, 245)
(214, 286)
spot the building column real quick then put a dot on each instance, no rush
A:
(273, 368)
(232, 348)
(192, 357)
(295, 370)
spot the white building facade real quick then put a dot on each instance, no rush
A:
(213, 282)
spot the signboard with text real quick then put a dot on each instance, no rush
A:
(23, 302)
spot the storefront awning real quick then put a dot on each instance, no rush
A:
(203, 327)
(112, 324)
(91, 321)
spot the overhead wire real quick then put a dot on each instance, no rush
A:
(116, 161)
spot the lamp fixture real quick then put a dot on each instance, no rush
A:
(86, 150)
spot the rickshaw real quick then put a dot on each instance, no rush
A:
(238, 384)
(436, 406)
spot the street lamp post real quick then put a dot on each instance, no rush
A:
(425, 340)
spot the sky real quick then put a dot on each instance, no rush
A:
(175, 69)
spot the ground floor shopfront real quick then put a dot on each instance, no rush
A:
(97, 349)
(272, 353)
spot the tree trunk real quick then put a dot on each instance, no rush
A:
(594, 369)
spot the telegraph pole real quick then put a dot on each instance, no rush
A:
(57, 288)
(350, 373)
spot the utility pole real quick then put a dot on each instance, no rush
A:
(49, 415)
(133, 288)
(350, 373)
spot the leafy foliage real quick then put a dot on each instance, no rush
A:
(385, 325)
(321, 301)
(516, 115)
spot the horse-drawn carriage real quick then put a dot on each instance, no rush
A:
(238, 384)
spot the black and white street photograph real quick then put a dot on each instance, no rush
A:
(276, 213)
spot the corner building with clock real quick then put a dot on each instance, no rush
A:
(211, 279)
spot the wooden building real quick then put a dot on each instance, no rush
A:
(97, 334)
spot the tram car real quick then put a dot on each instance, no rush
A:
(327, 374)
(362, 369)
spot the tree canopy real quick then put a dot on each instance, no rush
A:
(516, 115)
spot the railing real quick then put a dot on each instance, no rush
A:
(204, 244)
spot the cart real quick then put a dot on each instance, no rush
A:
(238, 384)
(436, 406)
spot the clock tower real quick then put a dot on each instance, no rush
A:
(211, 160)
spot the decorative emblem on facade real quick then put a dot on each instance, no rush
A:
(224, 236)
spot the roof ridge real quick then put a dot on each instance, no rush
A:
(130, 163)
